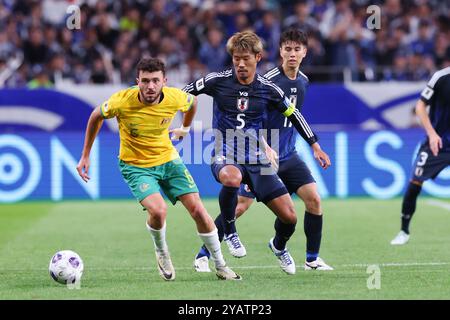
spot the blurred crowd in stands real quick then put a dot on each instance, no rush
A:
(38, 49)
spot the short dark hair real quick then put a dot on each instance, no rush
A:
(295, 35)
(150, 65)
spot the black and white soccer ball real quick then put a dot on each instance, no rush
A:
(66, 267)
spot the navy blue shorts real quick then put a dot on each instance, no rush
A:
(293, 172)
(265, 187)
(427, 166)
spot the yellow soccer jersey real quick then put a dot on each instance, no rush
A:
(144, 129)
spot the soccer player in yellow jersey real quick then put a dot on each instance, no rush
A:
(148, 160)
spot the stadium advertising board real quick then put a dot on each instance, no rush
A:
(43, 131)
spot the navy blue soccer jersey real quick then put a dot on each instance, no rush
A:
(437, 96)
(295, 90)
(240, 112)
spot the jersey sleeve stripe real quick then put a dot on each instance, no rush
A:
(270, 72)
(189, 88)
(271, 84)
(273, 75)
(303, 123)
(303, 75)
(211, 75)
(437, 75)
(225, 74)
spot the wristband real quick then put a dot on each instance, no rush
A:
(185, 129)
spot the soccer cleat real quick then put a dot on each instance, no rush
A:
(235, 245)
(317, 264)
(401, 238)
(202, 264)
(165, 266)
(225, 273)
(286, 261)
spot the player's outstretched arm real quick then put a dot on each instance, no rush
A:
(305, 131)
(434, 139)
(179, 133)
(94, 124)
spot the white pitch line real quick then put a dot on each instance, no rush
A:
(395, 264)
(440, 204)
(358, 265)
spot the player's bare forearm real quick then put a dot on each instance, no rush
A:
(93, 127)
(421, 111)
(189, 115)
(94, 124)
(180, 133)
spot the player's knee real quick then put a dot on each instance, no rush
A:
(197, 211)
(158, 212)
(312, 204)
(290, 216)
(230, 179)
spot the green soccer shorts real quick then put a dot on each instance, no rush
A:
(172, 177)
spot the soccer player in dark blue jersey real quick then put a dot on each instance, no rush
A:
(434, 153)
(291, 169)
(242, 99)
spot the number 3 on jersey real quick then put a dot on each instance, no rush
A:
(240, 117)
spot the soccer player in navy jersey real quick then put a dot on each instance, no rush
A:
(291, 169)
(242, 100)
(434, 153)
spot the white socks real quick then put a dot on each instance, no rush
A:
(211, 241)
(159, 238)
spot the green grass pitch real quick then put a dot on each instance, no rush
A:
(119, 259)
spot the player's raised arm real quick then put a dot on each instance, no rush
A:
(93, 127)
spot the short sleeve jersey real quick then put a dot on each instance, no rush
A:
(239, 112)
(144, 129)
(437, 95)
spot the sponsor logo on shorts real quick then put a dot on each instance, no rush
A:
(144, 187)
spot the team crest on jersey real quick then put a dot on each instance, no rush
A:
(242, 103)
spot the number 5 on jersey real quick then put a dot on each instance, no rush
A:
(240, 118)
